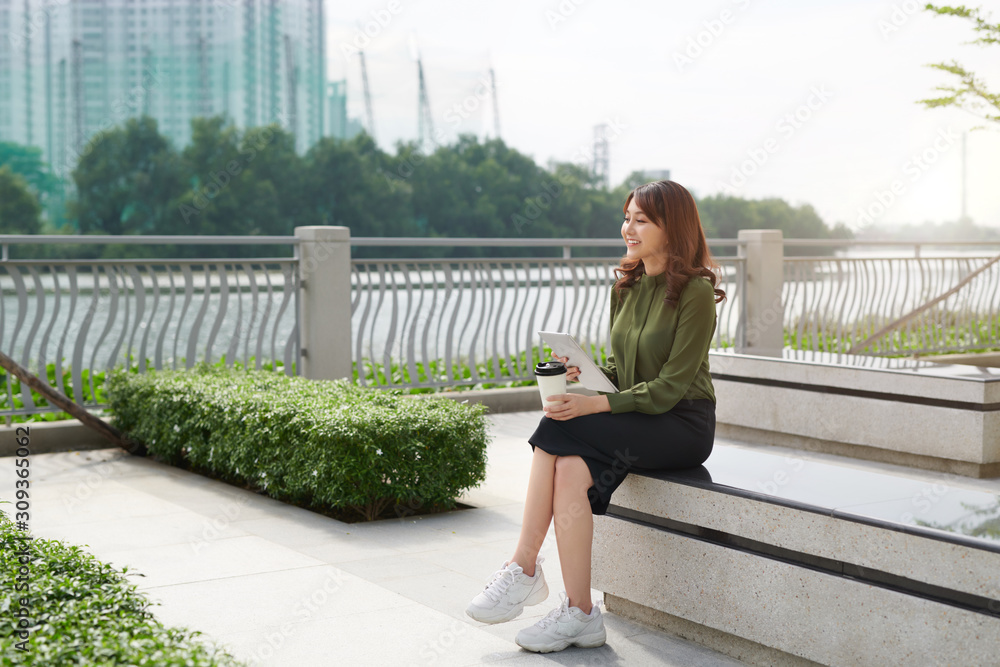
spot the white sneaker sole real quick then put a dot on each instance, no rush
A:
(482, 615)
(593, 640)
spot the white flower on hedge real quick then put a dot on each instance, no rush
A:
(315, 473)
(378, 452)
(177, 428)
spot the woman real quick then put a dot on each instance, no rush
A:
(663, 417)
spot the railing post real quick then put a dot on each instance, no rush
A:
(325, 301)
(764, 253)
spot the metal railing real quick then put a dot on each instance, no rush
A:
(68, 321)
(892, 306)
(433, 323)
(437, 322)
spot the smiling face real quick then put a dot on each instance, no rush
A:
(644, 239)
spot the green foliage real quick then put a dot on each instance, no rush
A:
(970, 93)
(317, 444)
(84, 612)
(19, 209)
(231, 181)
(126, 181)
(27, 162)
(91, 386)
(724, 216)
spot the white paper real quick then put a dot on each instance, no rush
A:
(590, 376)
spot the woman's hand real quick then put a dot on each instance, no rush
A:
(572, 372)
(575, 405)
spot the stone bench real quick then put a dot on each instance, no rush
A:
(784, 559)
(910, 412)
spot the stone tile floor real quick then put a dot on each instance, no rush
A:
(279, 585)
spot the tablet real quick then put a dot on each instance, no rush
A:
(590, 376)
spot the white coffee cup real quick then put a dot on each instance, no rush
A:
(551, 378)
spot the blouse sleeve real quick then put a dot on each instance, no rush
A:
(611, 370)
(695, 324)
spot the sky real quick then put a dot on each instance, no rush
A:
(813, 102)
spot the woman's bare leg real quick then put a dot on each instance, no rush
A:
(574, 527)
(537, 510)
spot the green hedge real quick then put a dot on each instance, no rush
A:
(84, 612)
(318, 444)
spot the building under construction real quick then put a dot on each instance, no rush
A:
(71, 69)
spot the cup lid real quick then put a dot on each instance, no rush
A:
(550, 368)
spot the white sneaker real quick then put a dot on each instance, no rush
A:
(507, 592)
(563, 626)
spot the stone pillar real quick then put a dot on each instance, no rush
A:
(765, 253)
(325, 301)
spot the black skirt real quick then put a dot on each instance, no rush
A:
(615, 444)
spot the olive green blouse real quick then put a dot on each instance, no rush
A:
(659, 353)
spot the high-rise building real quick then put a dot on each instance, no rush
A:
(70, 69)
(337, 122)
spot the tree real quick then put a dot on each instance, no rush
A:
(126, 182)
(970, 93)
(27, 161)
(19, 208)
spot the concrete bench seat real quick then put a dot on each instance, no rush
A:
(910, 412)
(780, 558)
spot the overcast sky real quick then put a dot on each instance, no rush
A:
(822, 93)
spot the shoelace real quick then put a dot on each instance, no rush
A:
(555, 614)
(558, 612)
(501, 581)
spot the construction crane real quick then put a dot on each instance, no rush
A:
(369, 114)
(424, 108)
(496, 105)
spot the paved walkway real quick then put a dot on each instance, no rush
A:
(279, 585)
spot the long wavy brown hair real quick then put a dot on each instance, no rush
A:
(671, 207)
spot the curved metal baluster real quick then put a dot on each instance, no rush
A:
(71, 278)
(22, 307)
(413, 313)
(428, 369)
(390, 339)
(188, 296)
(57, 292)
(372, 358)
(515, 332)
(286, 296)
(252, 282)
(478, 287)
(239, 330)
(359, 354)
(206, 294)
(490, 351)
(519, 330)
(450, 336)
(35, 323)
(167, 321)
(501, 315)
(112, 318)
(992, 307)
(221, 312)
(292, 352)
(139, 289)
(259, 355)
(81, 336)
(356, 287)
(152, 316)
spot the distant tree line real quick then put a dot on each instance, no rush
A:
(132, 180)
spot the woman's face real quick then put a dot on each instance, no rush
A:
(644, 239)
